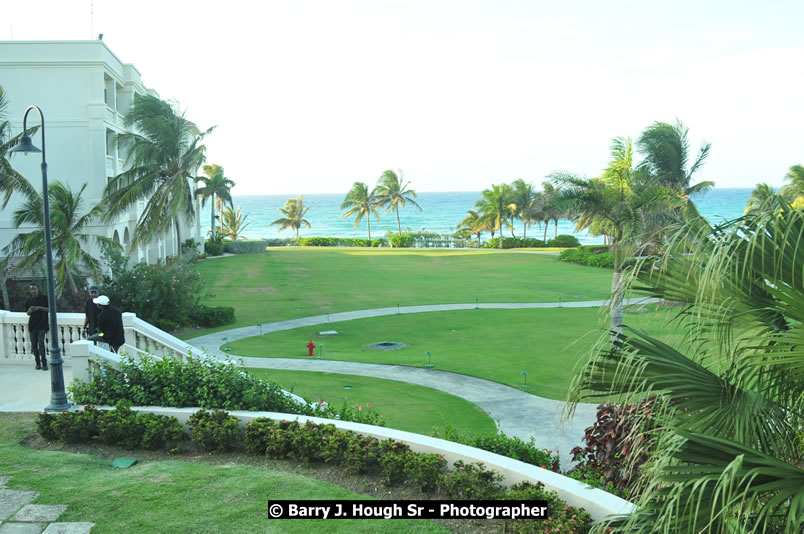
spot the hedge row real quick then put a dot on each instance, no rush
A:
(561, 241)
(340, 242)
(207, 317)
(393, 461)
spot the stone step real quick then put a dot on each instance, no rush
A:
(19, 516)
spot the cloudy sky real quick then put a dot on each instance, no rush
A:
(310, 96)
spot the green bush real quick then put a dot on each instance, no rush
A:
(213, 248)
(204, 382)
(514, 242)
(564, 241)
(255, 246)
(425, 470)
(215, 431)
(162, 294)
(393, 461)
(402, 241)
(340, 242)
(562, 518)
(471, 482)
(207, 317)
(120, 426)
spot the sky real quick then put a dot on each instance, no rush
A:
(311, 96)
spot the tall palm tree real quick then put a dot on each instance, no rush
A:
(730, 407)
(794, 190)
(393, 194)
(71, 260)
(215, 185)
(617, 202)
(360, 203)
(11, 181)
(526, 199)
(233, 223)
(666, 154)
(163, 157)
(498, 208)
(294, 212)
(551, 209)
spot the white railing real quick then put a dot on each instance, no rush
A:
(15, 343)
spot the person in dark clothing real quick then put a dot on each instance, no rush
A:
(91, 312)
(36, 307)
(110, 324)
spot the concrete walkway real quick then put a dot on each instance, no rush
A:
(517, 412)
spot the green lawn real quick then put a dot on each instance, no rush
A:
(494, 344)
(300, 282)
(172, 495)
(404, 406)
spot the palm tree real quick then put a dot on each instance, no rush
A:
(233, 223)
(617, 202)
(215, 185)
(526, 199)
(729, 454)
(794, 191)
(473, 224)
(68, 235)
(11, 181)
(551, 206)
(293, 212)
(163, 159)
(393, 194)
(665, 150)
(762, 197)
(497, 207)
(360, 203)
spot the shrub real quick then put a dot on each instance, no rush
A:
(255, 246)
(393, 461)
(563, 517)
(425, 470)
(162, 294)
(614, 453)
(207, 317)
(121, 426)
(257, 434)
(564, 241)
(213, 248)
(204, 382)
(317, 242)
(591, 257)
(215, 431)
(471, 482)
(402, 241)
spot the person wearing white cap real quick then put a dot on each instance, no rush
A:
(110, 324)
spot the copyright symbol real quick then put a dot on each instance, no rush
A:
(275, 510)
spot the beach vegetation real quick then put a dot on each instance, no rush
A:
(393, 192)
(216, 186)
(725, 457)
(163, 158)
(528, 204)
(793, 190)
(233, 224)
(360, 202)
(293, 215)
(497, 208)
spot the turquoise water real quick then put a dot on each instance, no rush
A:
(441, 213)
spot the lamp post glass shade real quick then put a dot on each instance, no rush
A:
(25, 145)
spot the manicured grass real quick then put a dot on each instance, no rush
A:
(169, 496)
(549, 344)
(405, 406)
(285, 284)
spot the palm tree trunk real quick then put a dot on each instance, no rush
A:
(398, 224)
(368, 221)
(616, 303)
(524, 230)
(478, 240)
(546, 226)
(501, 235)
(212, 219)
(178, 237)
(555, 235)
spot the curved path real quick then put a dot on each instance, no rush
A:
(517, 412)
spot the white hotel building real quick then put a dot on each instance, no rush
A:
(84, 91)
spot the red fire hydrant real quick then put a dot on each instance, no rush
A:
(310, 347)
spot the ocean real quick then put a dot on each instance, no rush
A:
(441, 213)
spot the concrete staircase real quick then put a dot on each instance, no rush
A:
(19, 516)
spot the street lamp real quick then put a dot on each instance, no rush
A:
(58, 397)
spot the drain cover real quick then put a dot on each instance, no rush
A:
(386, 345)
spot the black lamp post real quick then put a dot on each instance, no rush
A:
(58, 397)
